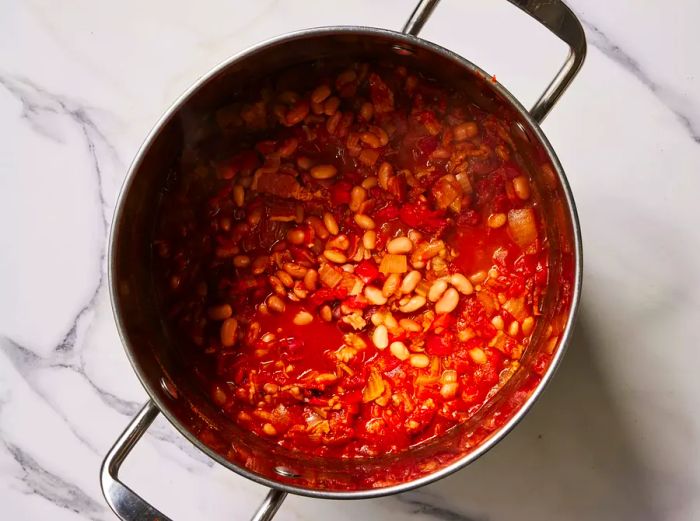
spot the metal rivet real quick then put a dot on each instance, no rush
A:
(168, 387)
(403, 50)
(284, 471)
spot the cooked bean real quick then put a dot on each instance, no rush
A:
(275, 303)
(270, 388)
(320, 93)
(415, 236)
(241, 261)
(238, 195)
(419, 360)
(448, 302)
(296, 236)
(333, 122)
(253, 333)
(285, 278)
(477, 354)
(288, 147)
(369, 239)
(219, 395)
(369, 182)
(410, 281)
(311, 279)
(513, 328)
(399, 350)
(335, 256)
(277, 285)
(375, 296)
(461, 284)
(364, 221)
(339, 242)
(465, 131)
(260, 264)
(319, 228)
(370, 140)
(497, 322)
(478, 277)
(390, 322)
(436, 290)
(521, 186)
(527, 325)
(330, 223)
(323, 171)
(295, 270)
(399, 245)
(326, 313)
(358, 195)
(229, 328)
(380, 337)
(414, 303)
(269, 429)
(221, 312)
(297, 113)
(448, 376)
(385, 172)
(410, 325)
(299, 291)
(303, 318)
(496, 220)
(381, 135)
(449, 390)
(391, 284)
(330, 107)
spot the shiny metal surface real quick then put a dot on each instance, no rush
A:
(151, 350)
(419, 16)
(270, 506)
(126, 503)
(121, 499)
(556, 17)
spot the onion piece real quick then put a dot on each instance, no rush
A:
(522, 227)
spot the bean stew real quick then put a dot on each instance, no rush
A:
(362, 273)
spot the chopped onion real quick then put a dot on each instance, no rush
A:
(522, 227)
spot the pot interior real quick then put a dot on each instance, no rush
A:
(156, 354)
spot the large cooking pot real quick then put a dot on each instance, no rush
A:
(171, 386)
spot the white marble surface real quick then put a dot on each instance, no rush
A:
(616, 435)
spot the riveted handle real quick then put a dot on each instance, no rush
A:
(126, 503)
(556, 17)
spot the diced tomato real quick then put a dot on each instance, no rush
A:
(425, 146)
(340, 193)
(327, 295)
(368, 271)
(387, 213)
(420, 217)
(439, 345)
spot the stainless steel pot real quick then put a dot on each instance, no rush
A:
(171, 386)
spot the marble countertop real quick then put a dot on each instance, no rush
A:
(616, 435)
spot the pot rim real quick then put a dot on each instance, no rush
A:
(494, 438)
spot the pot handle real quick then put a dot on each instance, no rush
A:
(128, 505)
(556, 17)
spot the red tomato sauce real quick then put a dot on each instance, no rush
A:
(363, 275)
